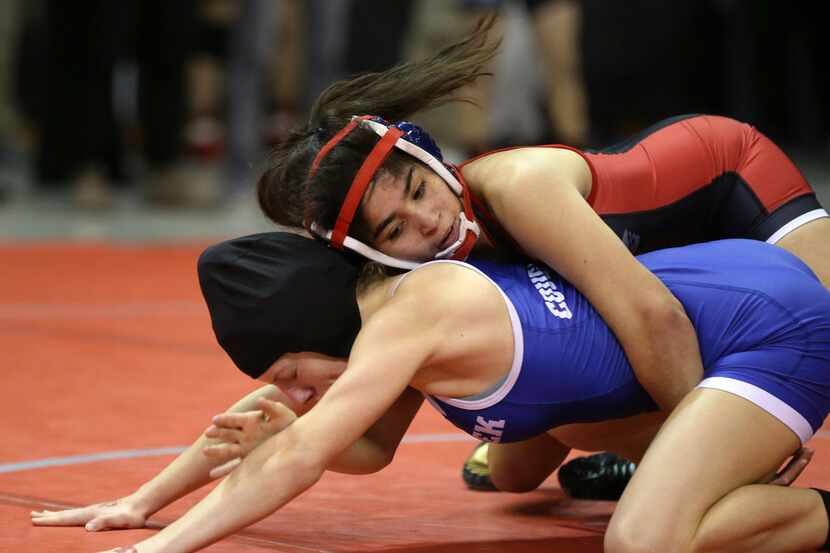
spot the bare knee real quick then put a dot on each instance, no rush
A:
(624, 538)
(514, 479)
(515, 473)
(523, 466)
(644, 536)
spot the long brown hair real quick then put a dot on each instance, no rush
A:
(284, 192)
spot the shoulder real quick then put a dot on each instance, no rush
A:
(504, 171)
(444, 291)
(441, 280)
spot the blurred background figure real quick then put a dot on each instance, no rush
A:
(779, 81)
(251, 48)
(86, 116)
(9, 29)
(125, 108)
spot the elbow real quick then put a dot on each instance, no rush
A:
(665, 316)
(381, 463)
(387, 458)
(367, 461)
(376, 464)
(383, 459)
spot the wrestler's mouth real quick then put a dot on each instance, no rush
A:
(449, 238)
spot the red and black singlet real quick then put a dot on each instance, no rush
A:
(689, 179)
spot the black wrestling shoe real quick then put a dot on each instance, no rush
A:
(476, 472)
(602, 476)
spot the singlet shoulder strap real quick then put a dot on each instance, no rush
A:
(500, 392)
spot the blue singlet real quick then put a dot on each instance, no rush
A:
(761, 316)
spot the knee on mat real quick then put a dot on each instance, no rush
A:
(514, 481)
(514, 486)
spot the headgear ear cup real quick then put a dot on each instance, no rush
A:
(418, 136)
(414, 134)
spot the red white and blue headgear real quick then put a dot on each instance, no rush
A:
(413, 140)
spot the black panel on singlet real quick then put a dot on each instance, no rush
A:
(630, 142)
(725, 208)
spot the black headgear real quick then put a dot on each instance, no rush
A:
(274, 293)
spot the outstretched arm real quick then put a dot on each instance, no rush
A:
(389, 350)
(241, 433)
(188, 472)
(192, 469)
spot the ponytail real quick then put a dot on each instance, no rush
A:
(409, 88)
(395, 95)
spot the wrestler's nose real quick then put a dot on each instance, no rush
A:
(425, 220)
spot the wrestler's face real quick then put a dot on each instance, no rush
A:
(304, 377)
(411, 216)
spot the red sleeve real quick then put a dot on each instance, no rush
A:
(681, 158)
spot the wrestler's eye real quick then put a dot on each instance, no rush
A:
(395, 232)
(419, 192)
(288, 373)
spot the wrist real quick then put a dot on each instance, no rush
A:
(141, 502)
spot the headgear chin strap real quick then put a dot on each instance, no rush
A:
(402, 136)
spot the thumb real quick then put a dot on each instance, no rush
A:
(275, 409)
(97, 523)
(108, 522)
(225, 469)
(270, 407)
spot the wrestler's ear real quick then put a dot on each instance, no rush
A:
(268, 376)
(272, 373)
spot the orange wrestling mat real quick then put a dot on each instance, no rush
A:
(109, 367)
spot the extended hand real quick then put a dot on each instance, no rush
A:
(240, 433)
(113, 515)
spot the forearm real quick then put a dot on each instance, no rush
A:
(666, 359)
(267, 479)
(190, 470)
